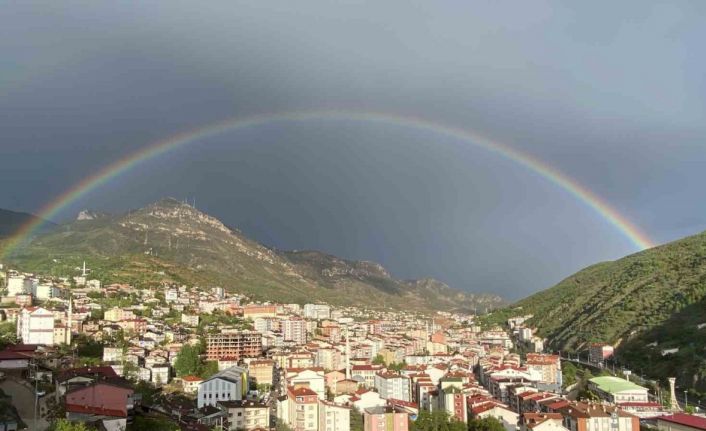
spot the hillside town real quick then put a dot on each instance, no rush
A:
(119, 357)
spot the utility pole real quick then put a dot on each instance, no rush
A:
(36, 390)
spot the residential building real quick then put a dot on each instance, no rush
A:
(311, 378)
(317, 311)
(303, 409)
(393, 386)
(18, 285)
(100, 401)
(227, 385)
(385, 418)
(117, 314)
(584, 416)
(294, 330)
(366, 373)
(190, 384)
(333, 417)
(254, 311)
(234, 345)
(681, 422)
(547, 368)
(35, 325)
(453, 401)
(190, 319)
(599, 352)
(501, 412)
(261, 371)
(542, 422)
(245, 415)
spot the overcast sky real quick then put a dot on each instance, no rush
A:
(612, 94)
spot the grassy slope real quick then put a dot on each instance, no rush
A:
(656, 295)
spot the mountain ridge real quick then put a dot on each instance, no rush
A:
(192, 246)
(11, 221)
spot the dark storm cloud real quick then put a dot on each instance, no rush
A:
(612, 95)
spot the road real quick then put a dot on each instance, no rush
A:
(22, 394)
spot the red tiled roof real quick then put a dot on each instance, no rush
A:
(192, 378)
(79, 408)
(302, 392)
(686, 420)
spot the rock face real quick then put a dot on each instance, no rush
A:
(90, 215)
(173, 233)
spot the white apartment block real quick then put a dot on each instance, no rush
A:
(35, 325)
(393, 386)
(333, 417)
(294, 330)
(317, 311)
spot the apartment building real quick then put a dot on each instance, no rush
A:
(234, 345)
(262, 371)
(245, 415)
(385, 418)
(393, 386)
(333, 417)
(317, 311)
(35, 325)
(584, 416)
(294, 330)
(303, 409)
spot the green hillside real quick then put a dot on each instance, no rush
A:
(655, 296)
(170, 241)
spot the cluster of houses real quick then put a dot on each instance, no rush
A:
(312, 367)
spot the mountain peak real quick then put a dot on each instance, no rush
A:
(170, 240)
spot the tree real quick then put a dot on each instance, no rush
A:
(8, 334)
(569, 373)
(65, 425)
(208, 369)
(282, 426)
(356, 420)
(188, 361)
(485, 424)
(379, 360)
(438, 420)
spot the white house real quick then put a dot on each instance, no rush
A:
(35, 325)
(312, 379)
(228, 385)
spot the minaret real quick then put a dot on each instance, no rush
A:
(83, 273)
(673, 403)
(348, 355)
(69, 321)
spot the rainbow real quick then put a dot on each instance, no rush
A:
(639, 239)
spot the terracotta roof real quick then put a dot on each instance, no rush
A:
(686, 420)
(300, 392)
(192, 378)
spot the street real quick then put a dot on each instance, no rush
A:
(23, 398)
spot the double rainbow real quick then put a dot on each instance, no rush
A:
(638, 238)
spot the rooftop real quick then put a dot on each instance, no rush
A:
(684, 419)
(613, 384)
